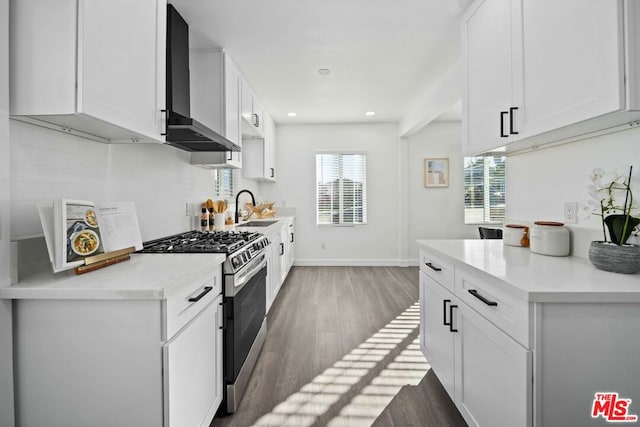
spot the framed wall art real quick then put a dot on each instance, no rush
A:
(436, 172)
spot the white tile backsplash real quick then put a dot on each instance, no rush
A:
(158, 178)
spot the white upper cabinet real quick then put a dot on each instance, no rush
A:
(252, 112)
(91, 66)
(215, 101)
(259, 153)
(541, 71)
(487, 57)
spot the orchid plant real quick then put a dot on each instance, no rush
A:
(612, 199)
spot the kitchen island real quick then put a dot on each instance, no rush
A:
(521, 339)
(136, 343)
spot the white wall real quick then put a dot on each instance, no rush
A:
(539, 182)
(158, 178)
(436, 213)
(6, 344)
(375, 243)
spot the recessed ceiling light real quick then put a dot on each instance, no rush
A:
(370, 113)
(324, 71)
(291, 114)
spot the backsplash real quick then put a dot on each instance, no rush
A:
(539, 182)
(46, 165)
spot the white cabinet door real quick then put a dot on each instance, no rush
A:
(487, 57)
(291, 244)
(232, 110)
(193, 370)
(258, 153)
(215, 101)
(573, 62)
(284, 238)
(437, 339)
(252, 112)
(275, 268)
(493, 379)
(117, 67)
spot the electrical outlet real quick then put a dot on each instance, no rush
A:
(571, 212)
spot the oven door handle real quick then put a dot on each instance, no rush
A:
(249, 275)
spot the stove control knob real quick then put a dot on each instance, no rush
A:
(236, 261)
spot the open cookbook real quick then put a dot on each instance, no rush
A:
(76, 230)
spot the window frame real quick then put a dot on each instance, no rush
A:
(486, 191)
(341, 153)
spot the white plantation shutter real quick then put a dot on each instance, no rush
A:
(341, 188)
(224, 183)
(484, 189)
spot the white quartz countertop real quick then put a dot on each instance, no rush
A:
(539, 278)
(267, 230)
(144, 276)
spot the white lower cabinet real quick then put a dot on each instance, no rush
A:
(193, 370)
(486, 372)
(121, 362)
(274, 269)
(493, 373)
(437, 340)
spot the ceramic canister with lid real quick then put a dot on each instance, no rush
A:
(549, 238)
(515, 235)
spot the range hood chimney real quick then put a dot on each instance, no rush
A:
(183, 131)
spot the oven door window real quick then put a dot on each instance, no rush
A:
(248, 311)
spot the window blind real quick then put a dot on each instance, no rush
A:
(224, 183)
(341, 188)
(484, 189)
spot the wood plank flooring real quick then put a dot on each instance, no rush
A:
(332, 351)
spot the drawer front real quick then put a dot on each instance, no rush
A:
(507, 312)
(437, 268)
(189, 299)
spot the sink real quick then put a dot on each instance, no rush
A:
(256, 224)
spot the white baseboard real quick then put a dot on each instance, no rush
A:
(354, 263)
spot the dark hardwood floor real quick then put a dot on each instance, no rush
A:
(341, 349)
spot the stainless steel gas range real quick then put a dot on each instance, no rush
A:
(244, 291)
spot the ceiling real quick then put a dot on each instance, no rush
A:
(383, 55)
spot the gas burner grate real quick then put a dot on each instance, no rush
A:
(201, 242)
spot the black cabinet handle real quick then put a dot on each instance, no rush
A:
(451, 328)
(281, 249)
(164, 133)
(502, 114)
(481, 298)
(291, 237)
(197, 298)
(273, 172)
(444, 312)
(230, 155)
(511, 121)
(433, 267)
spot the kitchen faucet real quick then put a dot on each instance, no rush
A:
(253, 200)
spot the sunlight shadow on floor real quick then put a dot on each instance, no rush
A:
(314, 399)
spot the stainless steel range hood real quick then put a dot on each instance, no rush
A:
(183, 131)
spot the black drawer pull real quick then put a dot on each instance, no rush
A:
(281, 249)
(291, 237)
(444, 312)
(433, 267)
(481, 298)
(511, 121)
(451, 328)
(502, 114)
(198, 297)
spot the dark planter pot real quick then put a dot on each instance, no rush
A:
(617, 259)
